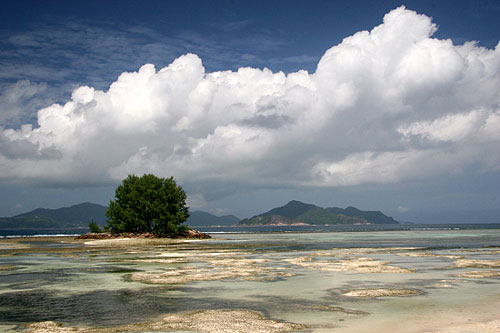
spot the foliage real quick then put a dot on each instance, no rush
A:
(319, 215)
(299, 212)
(148, 204)
(74, 217)
(94, 227)
(291, 210)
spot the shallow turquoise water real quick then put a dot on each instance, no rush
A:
(296, 277)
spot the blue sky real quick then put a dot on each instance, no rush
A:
(258, 143)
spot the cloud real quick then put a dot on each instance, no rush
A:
(386, 105)
(402, 209)
(20, 99)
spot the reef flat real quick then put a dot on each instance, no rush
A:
(302, 282)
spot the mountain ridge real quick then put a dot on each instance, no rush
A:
(375, 216)
(296, 213)
(79, 216)
(75, 216)
(200, 218)
(293, 213)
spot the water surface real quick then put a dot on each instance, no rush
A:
(327, 281)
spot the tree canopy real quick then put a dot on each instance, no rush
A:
(148, 204)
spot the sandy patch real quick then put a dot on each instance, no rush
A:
(380, 292)
(489, 326)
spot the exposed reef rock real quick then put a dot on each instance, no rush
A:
(190, 234)
(463, 263)
(228, 321)
(50, 327)
(361, 265)
(219, 269)
(480, 274)
(380, 292)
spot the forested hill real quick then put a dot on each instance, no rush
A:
(198, 218)
(77, 216)
(296, 212)
(291, 210)
(376, 217)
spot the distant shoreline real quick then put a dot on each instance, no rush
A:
(17, 233)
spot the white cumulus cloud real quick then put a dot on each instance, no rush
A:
(384, 105)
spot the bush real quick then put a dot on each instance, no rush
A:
(94, 227)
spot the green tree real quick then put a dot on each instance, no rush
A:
(94, 227)
(148, 204)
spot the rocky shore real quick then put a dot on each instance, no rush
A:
(189, 234)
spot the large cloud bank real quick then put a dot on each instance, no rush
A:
(385, 105)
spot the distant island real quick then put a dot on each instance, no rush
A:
(73, 217)
(299, 213)
(198, 218)
(78, 217)
(294, 212)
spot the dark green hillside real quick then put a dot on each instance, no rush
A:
(296, 212)
(267, 220)
(317, 215)
(199, 218)
(291, 210)
(28, 223)
(375, 217)
(77, 216)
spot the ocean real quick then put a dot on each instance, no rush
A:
(273, 229)
(413, 279)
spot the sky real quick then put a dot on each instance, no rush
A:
(382, 105)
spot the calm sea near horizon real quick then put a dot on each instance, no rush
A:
(269, 229)
(415, 279)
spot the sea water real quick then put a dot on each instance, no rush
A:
(400, 280)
